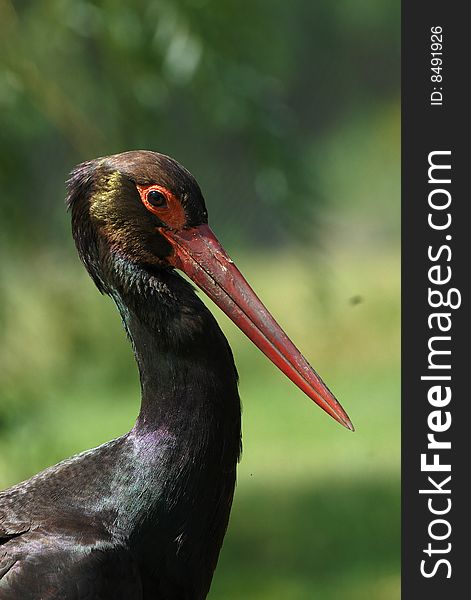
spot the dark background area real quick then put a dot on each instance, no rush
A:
(288, 116)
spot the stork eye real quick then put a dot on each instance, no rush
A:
(156, 199)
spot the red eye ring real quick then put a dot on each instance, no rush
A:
(163, 204)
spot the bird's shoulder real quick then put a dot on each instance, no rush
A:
(67, 565)
(62, 486)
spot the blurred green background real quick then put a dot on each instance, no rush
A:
(288, 115)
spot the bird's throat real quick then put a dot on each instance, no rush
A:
(187, 373)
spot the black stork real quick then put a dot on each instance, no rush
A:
(144, 516)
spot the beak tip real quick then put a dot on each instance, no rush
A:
(349, 425)
(345, 421)
(341, 417)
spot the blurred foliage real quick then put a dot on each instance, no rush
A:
(288, 115)
(243, 95)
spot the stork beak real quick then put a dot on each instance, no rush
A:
(197, 252)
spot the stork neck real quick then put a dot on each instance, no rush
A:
(188, 377)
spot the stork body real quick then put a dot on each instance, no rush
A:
(144, 516)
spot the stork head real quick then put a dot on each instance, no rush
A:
(145, 210)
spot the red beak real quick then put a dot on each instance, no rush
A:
(198, 253)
